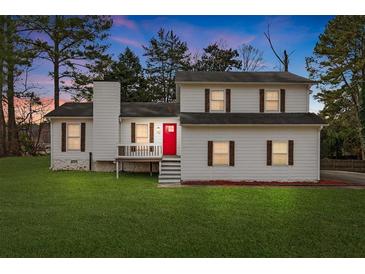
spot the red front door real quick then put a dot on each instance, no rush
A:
(169, 139)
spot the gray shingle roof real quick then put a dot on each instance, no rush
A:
(72, 109)
(250, 118)
(128, 110)
(150, 109)
(241, 77)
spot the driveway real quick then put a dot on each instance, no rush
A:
(343, 176)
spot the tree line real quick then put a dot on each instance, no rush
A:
(76, 48)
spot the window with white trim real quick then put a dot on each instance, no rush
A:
(272, 98)
(217, 100)
(220, 153)
(280, 153)
(141, 133)
(73, 136)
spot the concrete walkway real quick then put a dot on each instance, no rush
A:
(343, 176)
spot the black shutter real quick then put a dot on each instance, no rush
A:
(152, 132)
(133, 132)
(82, 137)
(262, 100)
(291, 153)
(228, 100)
(231, 153)
(63, 137)
(210, 153)
(282, 100)
(269, 152)
(207, 99)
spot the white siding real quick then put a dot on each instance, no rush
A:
(244, 98)
(106, 120)
(125, 132)
(56, 142)
(250, 153)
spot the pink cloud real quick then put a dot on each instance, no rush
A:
(127, 41)
(123, 21)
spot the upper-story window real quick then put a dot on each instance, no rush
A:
(217, 100)
(141, 133)
(272, 98)
(73, 136)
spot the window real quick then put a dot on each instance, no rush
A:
(170, 128)
(217, 100)
(280, 153)
(142, 133)
(73, 136)
(220, 153)
(271, 100)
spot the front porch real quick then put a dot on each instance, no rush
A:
(137, 154)
(169, 168)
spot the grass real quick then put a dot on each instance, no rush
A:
(82, 214)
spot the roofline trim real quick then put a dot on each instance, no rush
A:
(257, 125)
(242, 83)
(113, 81)
(69, 117)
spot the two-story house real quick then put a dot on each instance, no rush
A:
(232, 126)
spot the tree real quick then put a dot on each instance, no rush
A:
(284, 59)
(251, 58)
(338, 62)
(166, 54)
(67, 42)
(339, 138)
(2, 117)
(81, 88)
(217, 57)
(17, 56)
(129, 72)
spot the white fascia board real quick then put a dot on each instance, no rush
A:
(256, 125)
(243, 83)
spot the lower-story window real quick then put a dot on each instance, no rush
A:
(279, 153)
(220, 153)
(73, 136)
(141, 133)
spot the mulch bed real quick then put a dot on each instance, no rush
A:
(321, 183)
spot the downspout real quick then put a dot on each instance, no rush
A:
(319, 153)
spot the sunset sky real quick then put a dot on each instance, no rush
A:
(298, 33)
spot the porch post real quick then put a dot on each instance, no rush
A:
(117, 168)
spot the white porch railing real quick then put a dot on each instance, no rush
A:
(139, 151)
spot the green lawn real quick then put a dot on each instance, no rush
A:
(82, 214)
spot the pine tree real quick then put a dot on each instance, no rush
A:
(338, 62)
(217, 57)
(166, 54)
(2, 116)
(67, 42)
(129, 72)
(16, 56)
